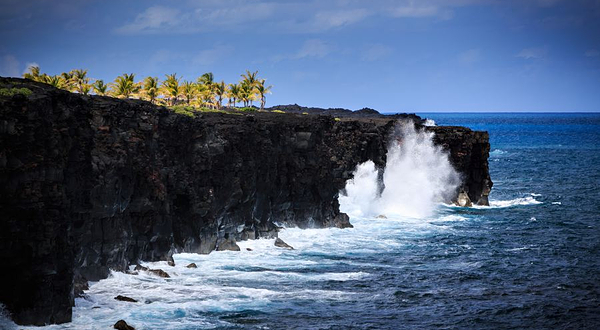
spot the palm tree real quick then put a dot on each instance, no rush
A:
(33, 73)
(151, 88)
(206, 79)
(206, 95)
(188, 89)
(100, 87)
(246, 93)
(262, 91)
(220, 89)
(171, 87)
(233, 93)
(250, 78)
(68, 79)
(124, 86)
(79, 79)
(55, 81)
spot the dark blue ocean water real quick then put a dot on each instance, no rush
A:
(530, 261)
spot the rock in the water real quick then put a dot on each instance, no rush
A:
(248, 249)
(463, 200)
(140, 267)
(171, 263)
(228, 244)
(122, 325)
(381, 216)
(159, 273)
(125, 298)
(280, 243)
(192, 265)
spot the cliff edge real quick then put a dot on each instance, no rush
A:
(91, 183)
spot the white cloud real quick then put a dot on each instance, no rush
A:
(155, 19)
(375, 52)
(592, 53)
(9, 66)
(333, 19)
(532, 53)
(314, 48)
(469, 56)
(412, 11)
(211, 56)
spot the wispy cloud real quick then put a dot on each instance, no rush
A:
(314, 48)
(9, 66)
(533, 53)
(375, 52)
(212, 55)
(155, 19)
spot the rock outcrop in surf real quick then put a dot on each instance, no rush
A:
(92, 183)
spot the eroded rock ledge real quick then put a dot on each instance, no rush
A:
(90, 183)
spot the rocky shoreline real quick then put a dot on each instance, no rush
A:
(91, 183)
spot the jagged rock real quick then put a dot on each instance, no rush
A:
(249, 249)
(140, 267)
(122, 325)
(192, 265)
(463, 200)
(280, 243)
(171, 263)
(159, 273)
(124, 298)
(228, 244)
(93, 183)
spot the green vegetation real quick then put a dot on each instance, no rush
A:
(15, 91)
(205, 94)
(278, 111)
(336, 119)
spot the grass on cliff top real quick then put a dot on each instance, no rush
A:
(190, 111)
(15, 91)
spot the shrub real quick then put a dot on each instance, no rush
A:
(336, 119)
(15, 91)
(278, 111)
(305, 113)
(247, 109)
(183, 110)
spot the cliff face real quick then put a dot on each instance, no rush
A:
(93, 183)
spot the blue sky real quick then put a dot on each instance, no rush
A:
(393, 56)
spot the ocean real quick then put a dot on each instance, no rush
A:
(531, 260)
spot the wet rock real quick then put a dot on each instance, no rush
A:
(125, 298)
(228, 244)
(381, 216)
(280, 243)
(140, 267)
(192, 265)
(171, 263)
(122, 325)
(463, 200)
(159, 273)
(249, 249)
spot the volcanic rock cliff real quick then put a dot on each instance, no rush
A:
(90, 183)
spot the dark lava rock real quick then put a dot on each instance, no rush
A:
(192, 265)
(171, 263)
(122, 325)
(124, 298)
(280, 243)
(140, 267)
(93, 183)
(248, 249)
(159, 273)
